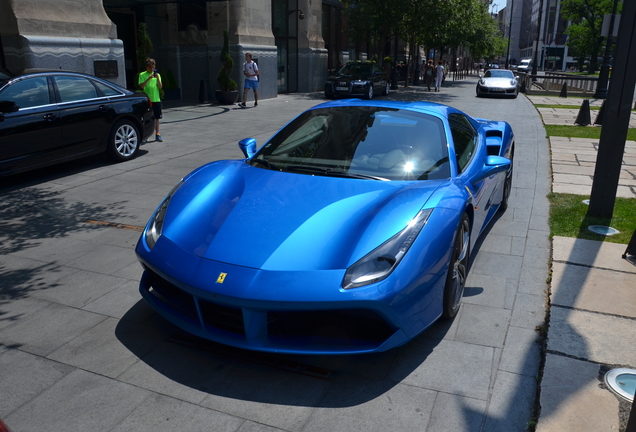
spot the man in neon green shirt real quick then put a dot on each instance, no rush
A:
(150, 82)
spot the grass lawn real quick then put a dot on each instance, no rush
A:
(568, 218)
(593, 132)
(568, 106)
(565, 106)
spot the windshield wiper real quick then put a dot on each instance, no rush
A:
(267, 164)
(331, 172)
(433, 167)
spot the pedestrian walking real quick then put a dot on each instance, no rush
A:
(439, 75)
(250, 70)
(429, 74)
(150, 83)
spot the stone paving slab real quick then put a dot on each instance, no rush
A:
(573, 162)
(592, 336)
(572, 400)
(592, 253)
(598, 290)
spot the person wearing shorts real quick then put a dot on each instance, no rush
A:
(150, 83)
(250, 70)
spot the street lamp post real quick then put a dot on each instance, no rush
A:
(512, 7)
(603, 78)
(536, 49)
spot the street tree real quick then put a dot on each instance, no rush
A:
(584, 34)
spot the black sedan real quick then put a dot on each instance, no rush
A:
(52, 117)
(358, 79)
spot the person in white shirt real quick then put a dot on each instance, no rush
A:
(250, 70)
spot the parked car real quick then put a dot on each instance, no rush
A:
(349, 231)
(499, 82)
(358, 79)
(52, 117)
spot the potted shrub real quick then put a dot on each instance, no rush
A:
(227, 94)
(170, 88)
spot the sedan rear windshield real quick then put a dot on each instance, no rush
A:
(360, 142)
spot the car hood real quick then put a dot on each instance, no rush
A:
(350, 77)
(497, 82)
(238, 214)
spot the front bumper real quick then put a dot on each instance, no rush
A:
(346, 89)
(496, 91)
(250, 310)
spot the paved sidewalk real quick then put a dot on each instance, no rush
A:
(81, 351)
(573, 162)
(592, 302)
(567, 115)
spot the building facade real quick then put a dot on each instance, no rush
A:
(542, 28)
(100, 37)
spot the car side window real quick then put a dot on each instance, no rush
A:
(27, 93)
(75, 88)
(464, 137)
(108, 91)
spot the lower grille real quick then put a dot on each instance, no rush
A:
(357, 324)
(222, 317)
(172, 296)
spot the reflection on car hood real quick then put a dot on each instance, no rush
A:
(235, 213)
(350, 77)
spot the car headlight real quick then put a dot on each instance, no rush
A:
(380, 262)
(513, 82)
(482, 82)
(155, 227)
(358, 83)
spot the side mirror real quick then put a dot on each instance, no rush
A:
(248, 147)
(481, 76)
(493, 165)
(8, 107)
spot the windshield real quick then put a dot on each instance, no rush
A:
(356, 69)
(361, 142)
(4, 78)
(499, 74)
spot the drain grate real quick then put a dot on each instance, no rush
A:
(114, 225)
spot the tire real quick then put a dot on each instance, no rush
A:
(124, 140)
(507, 186)
(387, 88)
(369, 92)
(457, 269)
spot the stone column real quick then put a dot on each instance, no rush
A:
(312, 54)
(61, 34)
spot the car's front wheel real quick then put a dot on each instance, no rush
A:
(457, 270)
(369, 93)
(387, 88)
(507, 185)
(124, 140)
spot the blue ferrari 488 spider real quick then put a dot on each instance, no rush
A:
(349, 231)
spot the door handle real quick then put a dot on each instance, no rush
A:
(103, 108)
(50, 117)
